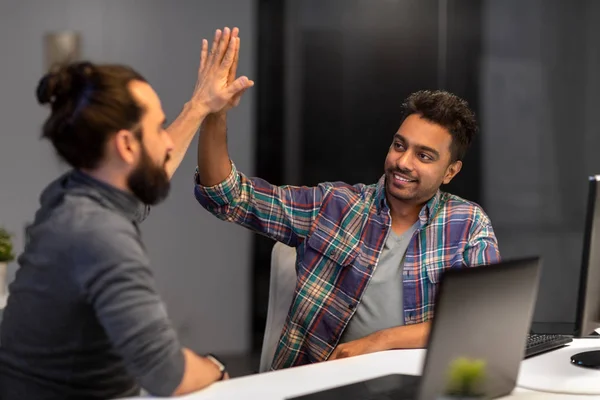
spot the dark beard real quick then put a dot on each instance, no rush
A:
(148, 181)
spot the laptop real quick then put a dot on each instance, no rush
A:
(482, 318)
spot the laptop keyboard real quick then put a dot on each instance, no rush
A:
(538, 343)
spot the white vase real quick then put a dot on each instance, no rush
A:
(3, 284)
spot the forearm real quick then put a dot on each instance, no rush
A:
(182, 131)
(199, 373)
(283, 213)
(214, 164)
(403, 337)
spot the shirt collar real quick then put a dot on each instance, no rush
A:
(118, 200)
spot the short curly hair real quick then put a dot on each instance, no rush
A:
(448, 110)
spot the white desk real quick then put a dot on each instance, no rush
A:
(543, 369)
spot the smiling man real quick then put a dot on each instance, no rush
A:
(369, 257)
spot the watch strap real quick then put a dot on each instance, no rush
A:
(218, 363)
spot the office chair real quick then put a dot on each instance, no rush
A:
(281, 292)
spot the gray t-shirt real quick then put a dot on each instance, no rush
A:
(381, 306)
(84, 319)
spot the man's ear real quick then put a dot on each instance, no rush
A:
(452, 170)
(127, 146)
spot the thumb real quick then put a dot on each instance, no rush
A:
(240, 84)
(237, 97)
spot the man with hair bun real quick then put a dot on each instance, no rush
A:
(84, 319)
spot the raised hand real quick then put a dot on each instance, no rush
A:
(235, 100)
(216, 88)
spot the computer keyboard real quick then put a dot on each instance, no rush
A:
(538, 343)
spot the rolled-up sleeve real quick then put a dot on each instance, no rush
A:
(482, 248)
(283, 213)
(222, 194)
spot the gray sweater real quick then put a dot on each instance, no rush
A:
(84, 319)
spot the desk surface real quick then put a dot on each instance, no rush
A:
(541, 371)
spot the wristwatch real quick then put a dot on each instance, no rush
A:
(218, 363)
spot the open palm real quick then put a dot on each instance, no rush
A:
(216, 89)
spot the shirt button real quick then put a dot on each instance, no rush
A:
(351, 306)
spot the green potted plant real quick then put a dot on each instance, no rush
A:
(465, 379)
(6, 256)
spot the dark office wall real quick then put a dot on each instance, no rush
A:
(540, 100)
(359, 60)
(334, 74)
(270, 22)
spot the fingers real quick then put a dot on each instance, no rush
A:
(215, 43)
(203, 55)
(236, 57)
(339, 352)
(333, 355)
(213, 49)
(230, 55)
(220, 47)
(236, 99)
(240, 84)
(224, 44)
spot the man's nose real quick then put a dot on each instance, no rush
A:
(405, 161)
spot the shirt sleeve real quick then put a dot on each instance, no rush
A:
(116, 280)
(482, 248)
(283, 213)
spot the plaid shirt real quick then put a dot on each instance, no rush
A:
(339, 231)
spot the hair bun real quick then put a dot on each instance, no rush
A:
(45, 89)
(65, 82)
